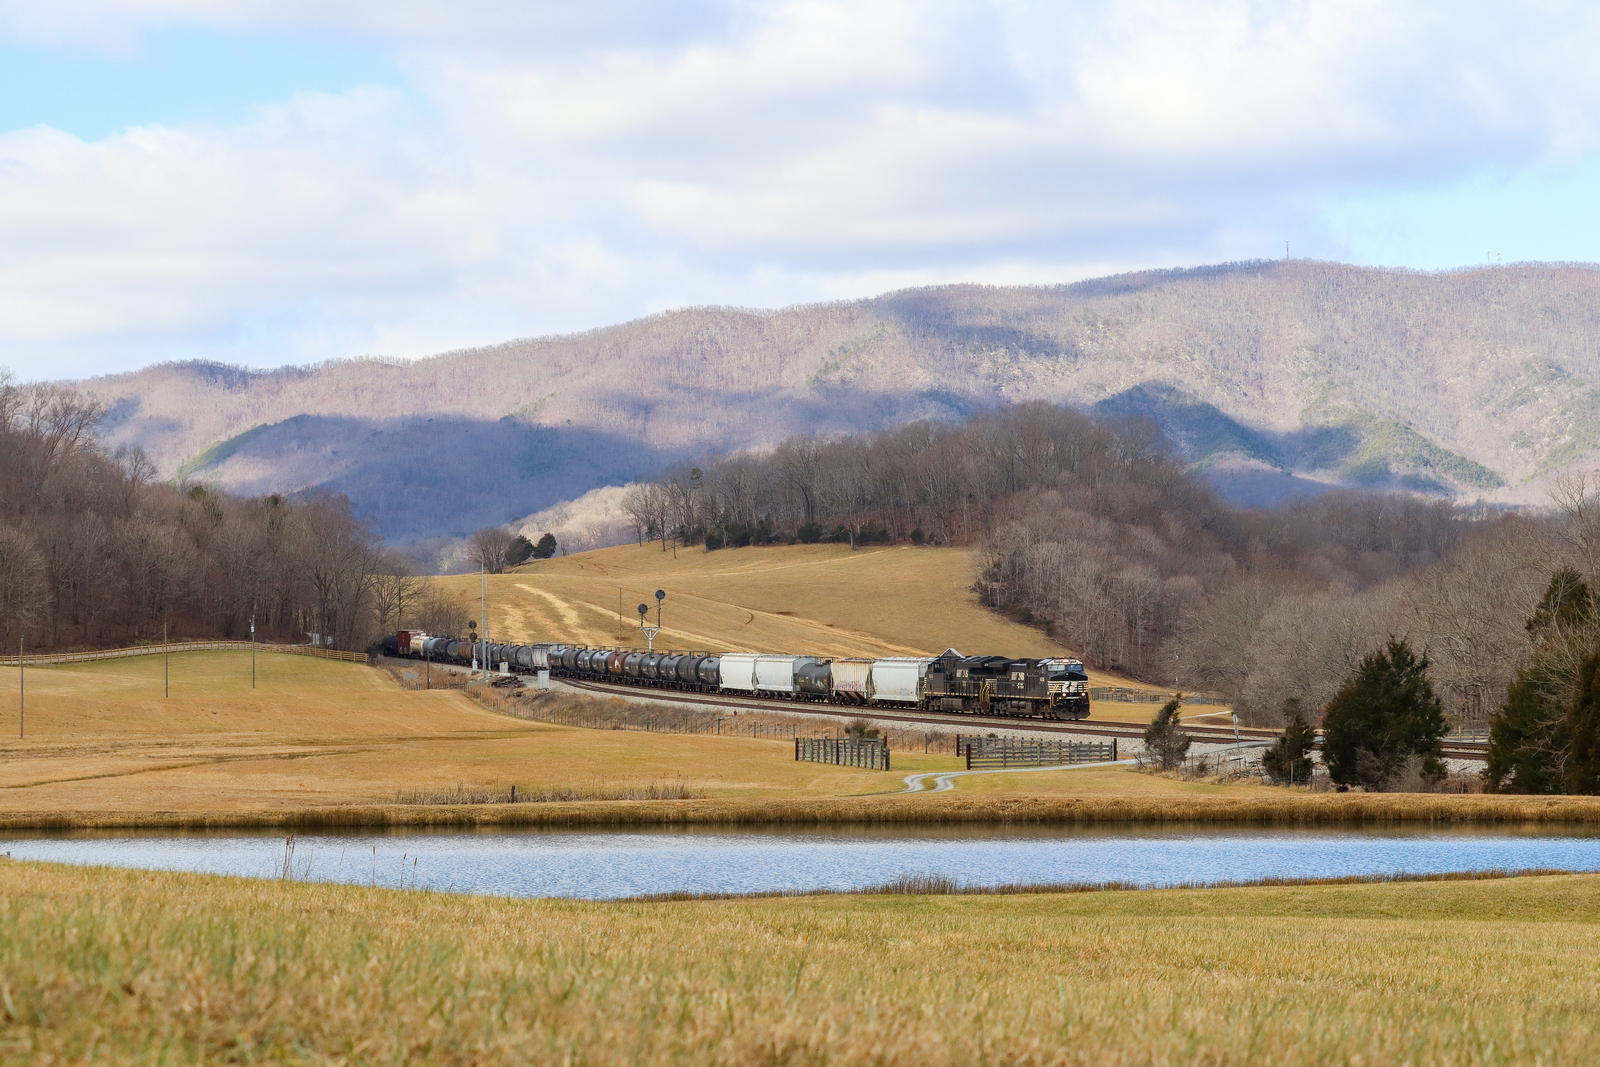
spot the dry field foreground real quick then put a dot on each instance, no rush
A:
(136, 967)
(812, 599)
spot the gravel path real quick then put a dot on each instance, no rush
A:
(944, 781)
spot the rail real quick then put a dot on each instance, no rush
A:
(50, 659)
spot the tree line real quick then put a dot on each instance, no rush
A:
(494, 548)
(1382, 730)
(1090, 529)
(1094, 531)
(95, 552)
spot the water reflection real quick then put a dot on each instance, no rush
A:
(610, 865)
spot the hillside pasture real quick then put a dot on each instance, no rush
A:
(824, 600)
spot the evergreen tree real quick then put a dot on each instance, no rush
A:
(1288, 761)
(521, 548)
(1532, 735)
(1582, 770)
(1384, 716)
(546, 547)
(1529, 736)
(1566, 604)
(1164, 739)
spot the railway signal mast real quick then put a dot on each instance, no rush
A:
(644, 613)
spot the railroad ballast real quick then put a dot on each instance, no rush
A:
(989, 685)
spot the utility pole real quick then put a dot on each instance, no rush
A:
(22, 691)
(252, 652)
(166, 663)
(483, 628)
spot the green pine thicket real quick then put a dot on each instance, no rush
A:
(1546, 736)
(1385, 720)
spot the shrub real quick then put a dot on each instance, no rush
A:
(1164, 738)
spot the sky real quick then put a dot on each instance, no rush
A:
(267, 182)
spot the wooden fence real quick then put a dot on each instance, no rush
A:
(1116, 695)
(987, 753)
(47, 659)
(869, 753)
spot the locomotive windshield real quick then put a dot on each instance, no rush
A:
(1066, 671)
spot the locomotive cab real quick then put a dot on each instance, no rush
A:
(1068, 687)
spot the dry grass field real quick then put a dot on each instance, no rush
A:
(327, 744)
(816, 599)
(102, 738)
(136, 967)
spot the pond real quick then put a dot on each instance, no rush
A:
(612, 865)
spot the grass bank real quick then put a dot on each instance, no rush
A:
(1277, 809)
(145, 967)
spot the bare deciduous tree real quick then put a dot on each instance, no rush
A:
(23, 583)
(490, 546)
(396, 591)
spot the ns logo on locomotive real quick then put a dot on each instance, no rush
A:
(988, 685)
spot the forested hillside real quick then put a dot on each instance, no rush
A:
(1096, 533)
(1090, 530)
(1474, 383)
(96, 551)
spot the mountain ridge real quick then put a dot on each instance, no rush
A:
(1477, 382)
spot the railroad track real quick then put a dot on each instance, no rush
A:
(1468, 750)
(1103, 728)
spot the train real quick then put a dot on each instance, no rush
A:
(982, 685)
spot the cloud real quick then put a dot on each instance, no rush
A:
(555, 166)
